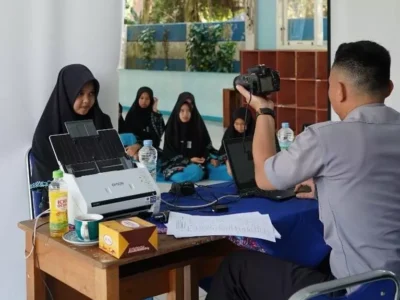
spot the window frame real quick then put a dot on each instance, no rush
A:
(282, 41)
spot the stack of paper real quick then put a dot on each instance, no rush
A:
(252, 225)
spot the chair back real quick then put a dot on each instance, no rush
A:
(380, 284)
(34, 194)
(28, 165)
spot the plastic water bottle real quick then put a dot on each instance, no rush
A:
(285, 136)
(148, 157)
(58, 199)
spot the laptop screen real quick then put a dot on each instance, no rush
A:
(241, 161)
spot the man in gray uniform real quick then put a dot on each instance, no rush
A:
(355, 165)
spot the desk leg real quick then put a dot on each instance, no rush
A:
(107, 283)
(35, 288)
(176, 285)
(191, 282)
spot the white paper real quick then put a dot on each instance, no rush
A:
(252, 225)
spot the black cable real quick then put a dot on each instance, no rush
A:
(245, 121)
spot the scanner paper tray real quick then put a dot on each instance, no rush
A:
(91, 154)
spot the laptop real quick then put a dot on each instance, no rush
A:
(239, 152)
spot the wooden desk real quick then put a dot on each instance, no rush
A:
(77, 273)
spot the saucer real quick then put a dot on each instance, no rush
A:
(72, 238)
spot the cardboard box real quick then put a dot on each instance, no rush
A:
(126, 237)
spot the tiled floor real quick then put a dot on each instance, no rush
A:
(216, 132)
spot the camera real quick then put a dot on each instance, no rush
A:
(260, 80)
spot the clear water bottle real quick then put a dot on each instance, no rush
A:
(148, 157)
(285, 136)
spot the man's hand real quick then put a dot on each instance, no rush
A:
(214, 162)
(256, 102)
(197, 160)
(310, 195)
(155, 105)
(133, 150)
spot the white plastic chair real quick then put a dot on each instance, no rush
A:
(377, 287)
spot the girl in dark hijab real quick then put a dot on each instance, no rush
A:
(121, 121)
(241, 124)
(144, 120)
(191, 100)
(186, 147)
(73, 98)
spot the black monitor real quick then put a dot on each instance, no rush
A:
(240, 155)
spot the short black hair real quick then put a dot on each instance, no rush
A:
(367, 62)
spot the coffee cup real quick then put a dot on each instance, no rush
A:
(87, 227)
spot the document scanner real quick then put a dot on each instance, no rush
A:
(101, 178)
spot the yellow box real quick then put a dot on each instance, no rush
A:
(126, 237)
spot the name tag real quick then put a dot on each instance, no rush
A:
(189, 144)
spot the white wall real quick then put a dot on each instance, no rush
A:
(38, 37)
(369, 20)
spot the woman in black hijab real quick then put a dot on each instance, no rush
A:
(242, 124)
(186, 148)
(144, 120)
(191, 100)
(73, 98)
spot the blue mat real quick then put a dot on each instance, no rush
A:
(214, 173)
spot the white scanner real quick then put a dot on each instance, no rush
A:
(101, 178)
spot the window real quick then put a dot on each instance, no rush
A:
(302, 23)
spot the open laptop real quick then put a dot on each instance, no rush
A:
(239, 152)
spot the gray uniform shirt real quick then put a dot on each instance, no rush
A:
(356, 167)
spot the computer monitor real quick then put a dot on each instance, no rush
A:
(240, 156)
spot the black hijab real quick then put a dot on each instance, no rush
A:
(178, 134)
(185, 96)
(139, 119)
(231, 132)
(121, 121)
(58, 110)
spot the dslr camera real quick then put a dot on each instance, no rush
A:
(260, 81)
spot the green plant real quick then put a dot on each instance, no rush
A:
(165, 44)
(203, 51)
(225, 54)
(201, 47)
(147, 44)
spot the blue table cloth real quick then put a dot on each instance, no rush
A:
(296, 220)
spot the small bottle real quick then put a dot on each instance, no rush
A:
(58, 200)
(285, 136)
(148, 157)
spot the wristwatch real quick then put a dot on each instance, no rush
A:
(265, 111)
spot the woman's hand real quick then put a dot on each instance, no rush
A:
(309, 195)
(155, 105)
(198, 160)
(133, 150)
(214, 162)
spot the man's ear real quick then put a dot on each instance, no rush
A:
(390, 89)
(341, 92)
